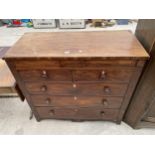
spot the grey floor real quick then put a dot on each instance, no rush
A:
(14, 114)
(14, 119)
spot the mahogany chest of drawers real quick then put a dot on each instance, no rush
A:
(77, 75)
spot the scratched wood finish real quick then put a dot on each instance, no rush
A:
(103, 44)
(106, 74)
(80, 113)
(77, 101)
(76, 88)
(22, 64)
(78, 76)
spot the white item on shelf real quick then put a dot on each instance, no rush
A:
(71, 23)
(44, 23)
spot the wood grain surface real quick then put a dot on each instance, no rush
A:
(79, 113)
(78, 89)
(113, 44)
(6, 78)
(77, 75)
(7, 81)
(106, 74)
(75, 101)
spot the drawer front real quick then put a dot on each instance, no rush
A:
(77, 113)
(107, 74)
(97, 114)
(56, 112)
(52, 75)
(76, 89)
(47, 100)
(62, 101)
(48, 64)
(103, 102)
(95, 63)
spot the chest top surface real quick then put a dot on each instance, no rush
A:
(103, 44)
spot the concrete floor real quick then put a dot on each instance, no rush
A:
(14, 119)
(14, 114)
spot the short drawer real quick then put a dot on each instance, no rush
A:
(77, 113)
(97, 114)
(51, 75)
(76, 88)
(79, 101)
(57, 101)
(107, 74)
(56, 112)
(98, 101)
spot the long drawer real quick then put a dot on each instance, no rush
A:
(74, 101)
(76, 88)
(79, 113)
(48, 64)
(108, 74)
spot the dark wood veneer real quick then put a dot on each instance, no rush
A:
(78, 76)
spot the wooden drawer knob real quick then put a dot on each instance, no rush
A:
(44, 74)
(75, 98)
(76, 110)
(48, 101)
(104, 102)
(103, 75)
(102, 113)
(107, 90)
(51, 112)
(43, 88)
(74, 86)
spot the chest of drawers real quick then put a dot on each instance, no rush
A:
(77, 75)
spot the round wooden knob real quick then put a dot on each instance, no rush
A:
(102, 113)
(51, 112)
(75, 98)
(104, 102)
(107, 90)
(74, 85)
(48, 101)
(103, 75)
(44, 74)
(75, 110)
(43, 88)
